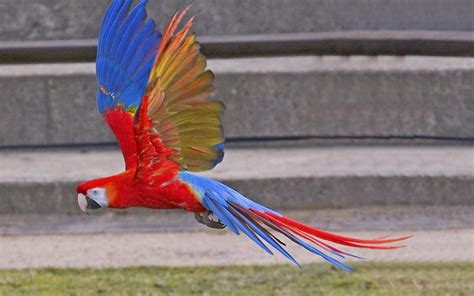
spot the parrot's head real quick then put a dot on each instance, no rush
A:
(95, 194)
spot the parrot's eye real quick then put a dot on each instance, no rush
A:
(95, 192)
(94, 199)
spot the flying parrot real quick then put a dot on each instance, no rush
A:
(154, 93)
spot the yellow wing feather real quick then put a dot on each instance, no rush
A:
(178, 90)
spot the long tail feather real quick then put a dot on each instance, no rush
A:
(256, 221)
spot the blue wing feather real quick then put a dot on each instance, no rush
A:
(145, 30)
(126, 51)
(126, 27)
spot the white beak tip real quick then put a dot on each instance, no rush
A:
(82, 202)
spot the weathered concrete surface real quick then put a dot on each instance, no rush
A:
(66, 19)
(413, 218)
(265, 97)
(208, 248)
(291, 178)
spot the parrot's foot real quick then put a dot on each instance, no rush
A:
(205, 218)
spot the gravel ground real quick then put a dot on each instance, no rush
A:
(206, 248)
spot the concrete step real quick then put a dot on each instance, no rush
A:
(384, 219)
(315, 96)
(369, 43)
(43, 182)
(63, 19)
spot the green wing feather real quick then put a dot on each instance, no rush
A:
(179, 87)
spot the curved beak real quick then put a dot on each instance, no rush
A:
(86, 203)
(82, 201)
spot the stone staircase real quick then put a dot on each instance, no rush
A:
(66, 19)
(316, 128)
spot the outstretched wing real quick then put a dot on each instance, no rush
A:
(126, 52)
(181, 114)
(180, 128)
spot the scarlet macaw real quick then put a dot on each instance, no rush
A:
(154, 95)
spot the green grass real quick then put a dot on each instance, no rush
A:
(314, 279)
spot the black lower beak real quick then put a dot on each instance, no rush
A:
(92, 204)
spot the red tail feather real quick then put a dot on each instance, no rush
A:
(307, 232)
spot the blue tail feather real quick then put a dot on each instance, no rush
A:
(228, 206)
(216, 210)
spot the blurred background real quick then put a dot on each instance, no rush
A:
(355, 116)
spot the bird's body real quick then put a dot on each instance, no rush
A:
(163, 191)
(153, 92)
(177, 194)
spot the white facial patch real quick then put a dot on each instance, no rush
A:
(98, 195)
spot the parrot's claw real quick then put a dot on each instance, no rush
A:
(205, 218)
